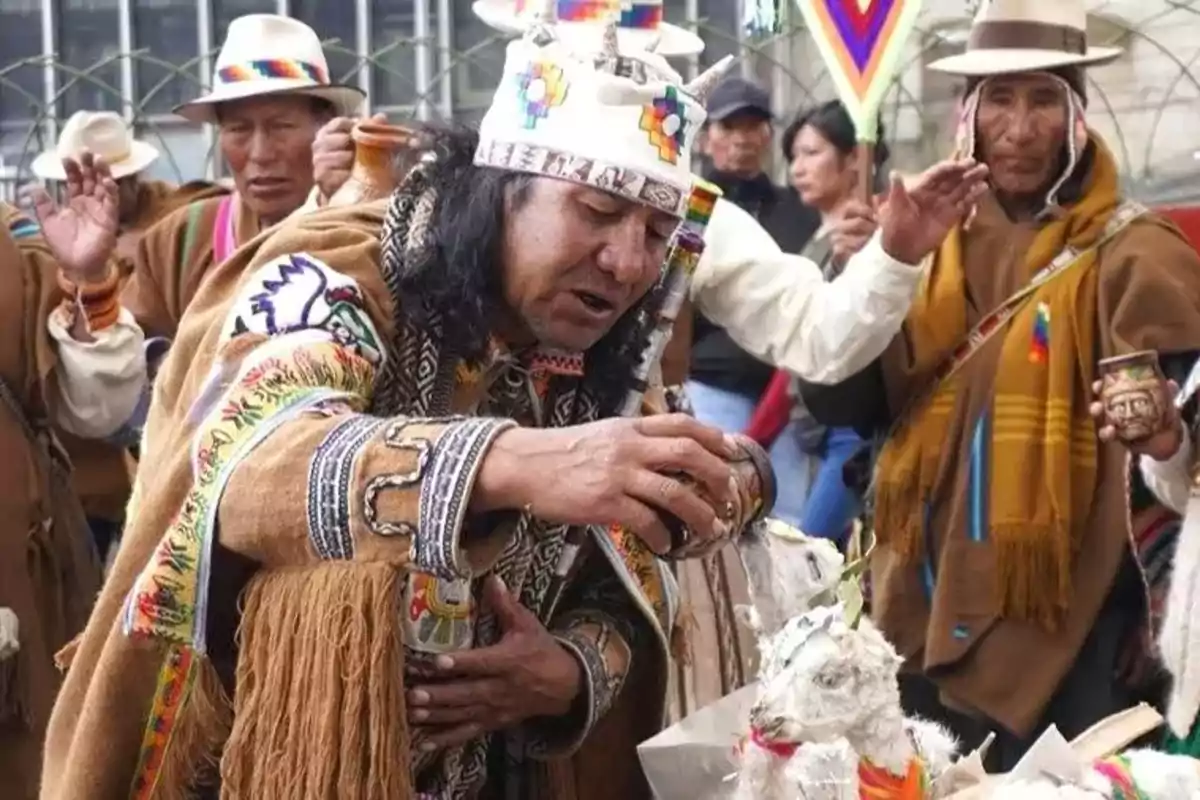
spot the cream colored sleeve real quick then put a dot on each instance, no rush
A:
(779, 307)
(100, 383)
(1171, 480)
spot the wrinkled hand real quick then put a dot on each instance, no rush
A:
(10, 642)
(82, 233)
(616, 471)
(852, 230)
(1162, 445)
(333, 153)
(916, 219)
(526, 674)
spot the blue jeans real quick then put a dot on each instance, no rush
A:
(795, 470)
(832, 506)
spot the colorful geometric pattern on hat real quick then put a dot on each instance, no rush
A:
(634, 16)
(666, 121)
(553, 163)
(272, 68)
(540, 88)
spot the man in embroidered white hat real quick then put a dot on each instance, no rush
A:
(376, 433)
(1005, 572)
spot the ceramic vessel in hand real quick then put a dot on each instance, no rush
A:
(1132, 392)
(374, 174)
(756, 493)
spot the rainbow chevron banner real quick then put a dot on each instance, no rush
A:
(862, 44)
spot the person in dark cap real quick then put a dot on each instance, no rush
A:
(725, 381)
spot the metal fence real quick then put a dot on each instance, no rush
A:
(918, 115)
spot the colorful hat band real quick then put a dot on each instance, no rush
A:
(636, 17)
(272, 68)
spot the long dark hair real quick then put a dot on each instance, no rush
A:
(833, 122)
(457, 277)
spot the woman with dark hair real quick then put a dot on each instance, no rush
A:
(822, 148)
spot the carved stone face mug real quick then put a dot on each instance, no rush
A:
(1132, 394)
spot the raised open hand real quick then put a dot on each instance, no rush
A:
(915, 219)
(82, 232)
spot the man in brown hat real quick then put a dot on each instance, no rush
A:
(1005, 571)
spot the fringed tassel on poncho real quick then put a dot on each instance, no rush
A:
(320, 706)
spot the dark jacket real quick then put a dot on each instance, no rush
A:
(716, 360)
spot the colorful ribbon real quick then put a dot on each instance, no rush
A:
(273, 68)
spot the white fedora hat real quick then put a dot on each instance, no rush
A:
(102, 133)
(1010, 36)
(269, 54)
(639, 22)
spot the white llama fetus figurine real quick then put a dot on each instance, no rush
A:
(828, 718)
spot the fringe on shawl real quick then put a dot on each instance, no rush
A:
(319, 710)
(193, 757)
(1033, 573)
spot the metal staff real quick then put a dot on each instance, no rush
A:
(683, 254)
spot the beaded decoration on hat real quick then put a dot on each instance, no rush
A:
(622, 121)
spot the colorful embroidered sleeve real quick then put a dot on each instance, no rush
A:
(602, 628)
(290, 467)
(374, 488)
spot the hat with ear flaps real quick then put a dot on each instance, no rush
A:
(616, 119)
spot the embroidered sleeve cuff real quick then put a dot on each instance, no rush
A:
(604, 658)
(445, 496)
(416, 478)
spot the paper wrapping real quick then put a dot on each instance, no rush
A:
(696, 759)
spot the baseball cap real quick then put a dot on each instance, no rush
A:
(738, 95)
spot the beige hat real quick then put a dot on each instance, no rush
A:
(1010, 36)
(102, 133)
(269, 54)
(639, 22)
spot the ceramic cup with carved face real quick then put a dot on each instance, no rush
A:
(1133, 396)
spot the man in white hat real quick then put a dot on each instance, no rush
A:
(379, 431)
(1006, 572)
(143, 202)
(100, 473)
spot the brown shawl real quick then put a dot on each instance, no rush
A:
(48, 573)
(172, 259)
(944, 611)
(99, 725)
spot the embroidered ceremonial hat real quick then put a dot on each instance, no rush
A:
(639, 23)
(269, 54)
(1010, 36)
(102, 133)
(620, 121)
